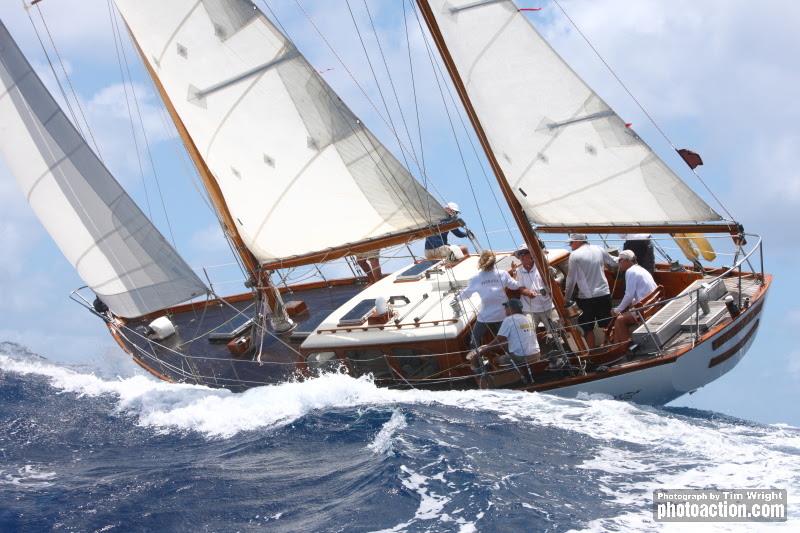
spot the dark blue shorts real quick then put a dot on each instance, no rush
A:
(597, 309)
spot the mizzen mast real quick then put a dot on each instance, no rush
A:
(521, 219)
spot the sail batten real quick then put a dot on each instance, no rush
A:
(115, 249)
(570, 159)
(299, 173)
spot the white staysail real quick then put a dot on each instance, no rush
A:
(114, 247)
(568, 157)
(299, 173)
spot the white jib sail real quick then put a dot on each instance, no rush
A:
(114, 247)
(568, 156)
(298, 171)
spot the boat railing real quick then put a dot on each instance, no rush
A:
(744, 258)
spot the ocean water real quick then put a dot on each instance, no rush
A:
(82, 450)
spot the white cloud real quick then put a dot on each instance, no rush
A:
(719, 76)
(79, 27)
(209, 239)
(109, 116)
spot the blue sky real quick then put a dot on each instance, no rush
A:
(719, 76)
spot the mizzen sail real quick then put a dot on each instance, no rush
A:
(114, 247)
(298, 170)
(570, 159)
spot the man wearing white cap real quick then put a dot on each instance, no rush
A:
(436, 246)
(641, 245)
(638, 284)
(594, 295)
(540, 307)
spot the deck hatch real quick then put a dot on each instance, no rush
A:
(359, 313)
(418, 270)
(235, 327)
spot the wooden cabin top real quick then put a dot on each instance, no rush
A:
(420, 297)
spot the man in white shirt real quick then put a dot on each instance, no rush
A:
(490, 283)
(594, 295)
(641, 245)
(638, 284)
(517, 338)
(539, 307)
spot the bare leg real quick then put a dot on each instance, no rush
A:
(622, 328)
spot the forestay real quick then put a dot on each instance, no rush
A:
(568, 157)
(298, 171)
(114, 247)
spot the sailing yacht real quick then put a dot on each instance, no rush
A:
(272, 141)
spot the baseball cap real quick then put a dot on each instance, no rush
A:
(514, 304)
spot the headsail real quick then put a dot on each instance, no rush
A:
(570, 159)
(114, 247)
(298, 171)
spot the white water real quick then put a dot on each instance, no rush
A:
(701, 453)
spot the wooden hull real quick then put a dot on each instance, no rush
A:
(653, 379)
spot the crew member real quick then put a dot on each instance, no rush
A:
(436, 246)
(490, 284)
(517, 338)
(642, 246)
(540, 307)
(594, 296)
(638, 284)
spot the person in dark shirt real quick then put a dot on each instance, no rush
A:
(436, 246)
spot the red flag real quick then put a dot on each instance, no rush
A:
(692, 159)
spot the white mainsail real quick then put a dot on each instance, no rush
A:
(298, 171)
(114, 247)
(570, 159)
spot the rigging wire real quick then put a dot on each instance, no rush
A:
(639, 104)
(117, 45)
(375, 75)
(453, 129)
(349, 73)
(146, 140)
(55, 75)
(422, 165)
(380, 91)
(72, 87)
(475, 152)
(363, 136)
(391, 83)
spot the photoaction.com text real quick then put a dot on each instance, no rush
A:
(719, 505)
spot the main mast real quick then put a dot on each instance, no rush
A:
(524, 225)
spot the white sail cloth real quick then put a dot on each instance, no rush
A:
(298, 171)
(569, 158)
(116, 250)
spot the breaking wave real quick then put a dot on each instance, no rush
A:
(353, 455)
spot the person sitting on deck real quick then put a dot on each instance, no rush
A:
(641, 245)
(516, 340)
(594, 295)
(638, 284)
(490, 284)
(436, 246)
